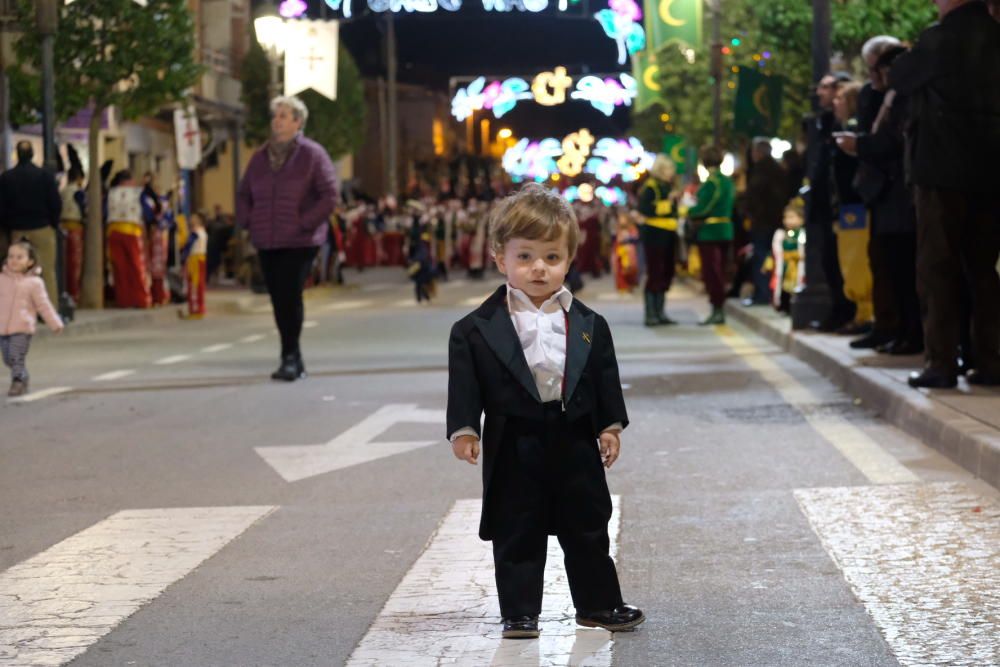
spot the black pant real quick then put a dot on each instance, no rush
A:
(901, 266)
(285, 271)
(958, 233)
(885, 295)
(841, 308)
(549, 479)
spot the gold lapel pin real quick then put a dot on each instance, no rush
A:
(586, 337)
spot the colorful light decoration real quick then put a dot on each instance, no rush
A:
(586, 193)
(621, 23)
(292, 9)
(607, 94)
(547, 88)
(608, 159)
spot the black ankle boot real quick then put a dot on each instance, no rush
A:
(288, 371)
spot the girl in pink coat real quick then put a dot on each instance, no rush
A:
(22, 300)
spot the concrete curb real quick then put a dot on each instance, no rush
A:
(969, 442)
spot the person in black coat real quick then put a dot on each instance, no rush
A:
(766, 196)
(952, 77)
(31, 206)
(542, 366)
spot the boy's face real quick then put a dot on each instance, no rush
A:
(537, 268)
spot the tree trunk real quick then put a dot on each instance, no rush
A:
(92, 291)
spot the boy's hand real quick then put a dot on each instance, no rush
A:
(58, 330)
(610, 445)
(466, 447)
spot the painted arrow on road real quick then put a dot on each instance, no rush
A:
(352, 447)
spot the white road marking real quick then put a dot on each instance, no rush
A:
(53, 606)
(252, 338)
(352, 447)
(113, 375)
(39, 395)
(175, 359)
(445, 610)
(405, 303)
(346, 305)
(310, 324)
(216, 348)
(855, 445)
(923, 558)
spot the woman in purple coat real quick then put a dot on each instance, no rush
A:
(285, 199)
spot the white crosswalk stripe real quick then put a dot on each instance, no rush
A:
(923, 560)
(445, 611)
(57, 603)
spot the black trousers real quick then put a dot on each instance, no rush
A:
(901, 266)
(285, 272)
(549, 479)
(885, 302)
(958, 233)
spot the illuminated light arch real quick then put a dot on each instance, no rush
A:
(547, 88)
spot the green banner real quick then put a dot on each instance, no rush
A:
(758, 104)
(672, 21)
(646, 72)
(675, 146)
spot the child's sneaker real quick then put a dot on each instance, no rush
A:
(520, 627)
(18, 388)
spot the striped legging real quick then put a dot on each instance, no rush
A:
(15, 350)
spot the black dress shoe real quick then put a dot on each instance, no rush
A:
(289, 370)
(872, 341)
(619, 619)
(520, 627)
(930, 378)
(978, 377)
(854, 329)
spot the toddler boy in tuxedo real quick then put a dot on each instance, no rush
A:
(542, 367)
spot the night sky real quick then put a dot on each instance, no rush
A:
(471, 42)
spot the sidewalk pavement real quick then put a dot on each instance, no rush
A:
(962, 423)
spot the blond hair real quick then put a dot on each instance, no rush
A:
(536, 214)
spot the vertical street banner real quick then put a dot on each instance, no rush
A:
(675, 147)
(311, 57)
(646, 72)
(673, 22)
(758, 104)
(188, 137)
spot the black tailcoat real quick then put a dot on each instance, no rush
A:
(487, 372)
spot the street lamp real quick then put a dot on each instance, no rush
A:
(270, 29)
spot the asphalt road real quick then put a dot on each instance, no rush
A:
(765, 517)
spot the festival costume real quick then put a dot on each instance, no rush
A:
(625, 259)
(789, 251)
(853, 233)
(659, 242)
(126, 247)
(714, 212)
(194, 257)
(71, 223)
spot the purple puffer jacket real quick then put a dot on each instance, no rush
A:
(288, 208)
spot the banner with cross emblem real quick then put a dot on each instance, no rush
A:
(311, 57)
(188, 137)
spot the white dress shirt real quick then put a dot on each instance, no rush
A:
(542, 332)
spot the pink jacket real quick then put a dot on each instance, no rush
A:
(22, 298)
